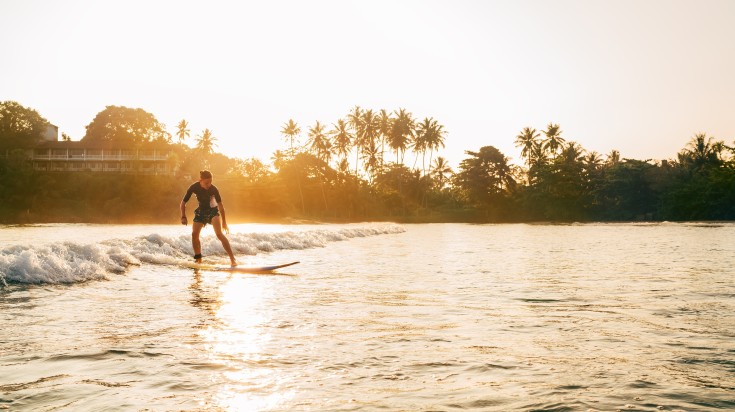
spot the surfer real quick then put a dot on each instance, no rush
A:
(209, 211)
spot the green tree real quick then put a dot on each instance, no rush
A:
(385, 122)
(371, 158)
(370, 134)
(402, 133)
(291, 131)
(559, 188)
(429, 136)
(553, 141)
(702, 152)
(626, 192)
(279, 159)
(419, 145)
(182, 130)
(354, 120)
(319, 143)
(613, 158)
(593, 161)
(123, 125)
(342, 139)
(435, 138)
(253, 171)
(20, 127)
(486, 180)
(441, 172)
(527, 140)
(205, 142)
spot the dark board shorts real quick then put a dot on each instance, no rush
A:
(205, 216)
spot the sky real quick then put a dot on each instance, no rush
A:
(638, 76)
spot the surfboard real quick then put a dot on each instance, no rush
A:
(238, 269)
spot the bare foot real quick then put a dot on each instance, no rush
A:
(233, 264)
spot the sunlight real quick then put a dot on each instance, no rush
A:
(233, 400)
(236, 336)
(237, 341)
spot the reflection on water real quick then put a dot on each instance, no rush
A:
(235, 341)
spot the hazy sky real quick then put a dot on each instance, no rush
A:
(638, 76)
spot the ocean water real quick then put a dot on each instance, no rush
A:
(436, 317)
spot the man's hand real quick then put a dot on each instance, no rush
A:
(184, 221)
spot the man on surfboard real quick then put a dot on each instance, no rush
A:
(209, 211)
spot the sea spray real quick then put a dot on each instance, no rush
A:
(70, 262)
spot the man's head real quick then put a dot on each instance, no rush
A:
(205, 178)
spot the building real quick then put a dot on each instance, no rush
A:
(79, 156)
(54, 155)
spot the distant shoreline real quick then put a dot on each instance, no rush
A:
(307, 221)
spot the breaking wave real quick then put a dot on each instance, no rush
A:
(70, 262)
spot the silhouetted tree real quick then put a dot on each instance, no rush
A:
(123, 125)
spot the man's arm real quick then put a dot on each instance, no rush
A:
(182, 207)
(221, 208)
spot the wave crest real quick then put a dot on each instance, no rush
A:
(71, 262)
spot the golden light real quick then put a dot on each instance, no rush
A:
(237, 341)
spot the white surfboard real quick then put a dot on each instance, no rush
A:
(238, 269)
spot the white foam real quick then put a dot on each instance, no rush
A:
(70, 262)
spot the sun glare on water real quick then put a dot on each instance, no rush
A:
(237, 341)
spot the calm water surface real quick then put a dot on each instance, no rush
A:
(376, 317)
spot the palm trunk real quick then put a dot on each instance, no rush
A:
(357, 160)
(301, 193)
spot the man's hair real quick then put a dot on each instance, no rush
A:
(205, 174)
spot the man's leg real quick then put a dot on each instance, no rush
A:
(217, 226)
(196, 228)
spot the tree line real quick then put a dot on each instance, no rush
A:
(357, 168)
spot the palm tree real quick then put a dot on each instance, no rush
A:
(429, 136)
(702, 151)
(343, 166)
(371, 159)
(419, 144)
(206, 142)
(278, 159)
(553, 141)
(538, 158)
(290, 131)
(370, 132)
(593, 161)
(572, 153)
(402, 132)
(319, 143)
(526, 141)
(539, 155)
(613, 158)
(385, 121)
(354, 120)
(342, 139)
(182, 131)
(441, 171)
(435, 139)
(322, 148)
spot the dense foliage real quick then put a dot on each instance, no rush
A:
(20, 127)
(560, 180)
(125, 126)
